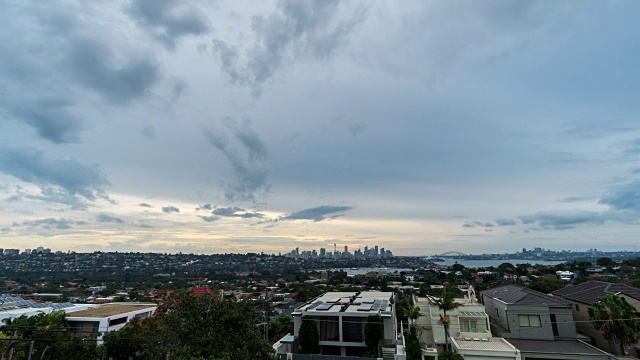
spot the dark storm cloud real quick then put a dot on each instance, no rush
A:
(53, 118)
(46, 73)
(317, 213)
(170, 209)
(562, 219)
(105, 218)
(60, 180)
(51, 223)
(505, 222)
(246, 153)
(145, 205)
(313, 29)
(95, 65)
(169, 20)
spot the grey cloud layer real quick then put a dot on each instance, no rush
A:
(49, 72)
(319, 213)
(60, 180)
(170, 209)
(314, 29)
(247, 155)
(106, 218)
(169, 20)
(51, 223)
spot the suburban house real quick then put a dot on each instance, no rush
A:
(583, 296)
(539, 326)
(517, 312)
(107, 317)
(341, 318)
(468, 320)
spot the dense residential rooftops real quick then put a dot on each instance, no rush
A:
(514, 294)
(590, 292)
(111, 310)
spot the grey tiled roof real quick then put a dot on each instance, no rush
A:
(590, 292)
(514, 294)
(558, 347)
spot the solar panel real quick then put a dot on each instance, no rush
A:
(314, 305)
(324, 306)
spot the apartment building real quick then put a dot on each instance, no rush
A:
(341, 318)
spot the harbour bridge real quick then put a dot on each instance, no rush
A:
(452, 254)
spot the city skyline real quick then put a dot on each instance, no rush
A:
(423, 127)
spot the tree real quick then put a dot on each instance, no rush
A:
(308, 337)
(616, 319)
(412, 346)
(547, 285)
(279, 327)
(51, 336)
(372, 335)
(446, 303)
(449, 355)
(413, 313)
(194, 327)
(606, 262)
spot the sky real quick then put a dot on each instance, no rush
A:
(222, 126)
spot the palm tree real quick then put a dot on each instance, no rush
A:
(616, 318)
(446, 303)
(413, 314)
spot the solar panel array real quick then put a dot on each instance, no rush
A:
(20, 302)
(314, 305)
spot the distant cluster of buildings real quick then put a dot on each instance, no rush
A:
(367, 253)
(38, 250)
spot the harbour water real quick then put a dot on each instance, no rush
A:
(448, 262)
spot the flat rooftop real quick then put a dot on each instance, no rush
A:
(349, 302)
(489, 344)
(110, 310)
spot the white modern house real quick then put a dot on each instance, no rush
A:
(341, 318)
(108, 317)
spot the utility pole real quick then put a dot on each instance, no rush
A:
(30, 350)
(266, 301)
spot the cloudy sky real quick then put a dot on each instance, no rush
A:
(421, 127)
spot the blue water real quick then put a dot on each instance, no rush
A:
(494, 263)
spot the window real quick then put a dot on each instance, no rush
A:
(577, 307)
(497, 313)
(469, 326)
(529, 320)
(554, 325)
(118, 321)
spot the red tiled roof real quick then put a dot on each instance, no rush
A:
(197, 291)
